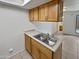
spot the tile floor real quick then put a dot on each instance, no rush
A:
(70, 47)
(22, 55)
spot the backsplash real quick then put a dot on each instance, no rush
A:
(46, 27)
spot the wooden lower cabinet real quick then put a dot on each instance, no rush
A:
(35, 53)
(58, 53)
(28, 43)
(43, 56)
(39, 51)
(44, 52)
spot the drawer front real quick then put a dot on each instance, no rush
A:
(42, 48)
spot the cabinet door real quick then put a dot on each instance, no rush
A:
(46, 12)
(31, 14)
(44, 52)
(60, 10)
(35, 11)
(28, 43)
(43, 56)
(53, 12)
(43, 12)
(35, 52)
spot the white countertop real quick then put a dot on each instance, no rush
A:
(33, 32)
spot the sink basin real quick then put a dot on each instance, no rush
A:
(46, 39)
(51, 43)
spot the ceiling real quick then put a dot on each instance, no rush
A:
(35, 3)
(27, 4)
(71, 5)
(14, 2)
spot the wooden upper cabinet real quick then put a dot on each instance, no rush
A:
(46, 12)
(31, 14)
(53, 12)
(60, 10)
(43, 12)
(35, 13)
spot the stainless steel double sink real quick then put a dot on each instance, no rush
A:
(46, 38)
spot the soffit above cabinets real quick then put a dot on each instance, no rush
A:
(35, 3)
(71, 5)
(27, 4)
(15, 2)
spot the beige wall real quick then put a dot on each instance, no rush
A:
(13, 22)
